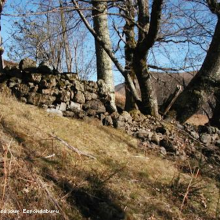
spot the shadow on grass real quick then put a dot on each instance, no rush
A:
(94, 201)
(126, 139)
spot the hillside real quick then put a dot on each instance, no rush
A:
(123, 181)
(164, 83)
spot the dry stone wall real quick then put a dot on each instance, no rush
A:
(61, 93)
(66, 95)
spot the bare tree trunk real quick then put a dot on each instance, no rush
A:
(104, 63)
(65, 39)
(148, 28)
(149, 100)
(203, 84)
(129, 53)
(146, 38)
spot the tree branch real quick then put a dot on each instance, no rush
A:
(154, 23)
(109, 52)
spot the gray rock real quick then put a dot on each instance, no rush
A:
(78, 86)
(55, 111)
(69, 114)
(107, 121)
(95, 105)
(119, 124)
(47, 91)
(217, 143)
(168, 145)
(48, 82)
(126, 117)
(206, 138)
(71, 76)
(40, 99)
(21, 90)
(34, 77)
(79, 97)
(90, 96)
(27, 64)
(65, 96)
(163, 151)
(143, 134)
(155, 139)
(13, 82)
(23, 99)
(91, 86)
(74, 105)
(91, 112)
(194, 134)
(62, 106)
(44, 67)
(207, 129)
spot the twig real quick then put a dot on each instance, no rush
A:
(80, 153)
(51, 198)
(188, 188)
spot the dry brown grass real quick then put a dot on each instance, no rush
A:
(122, 183)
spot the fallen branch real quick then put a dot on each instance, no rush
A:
(80, 153)
(172, 98)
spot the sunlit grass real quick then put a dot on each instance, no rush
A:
(121, 183)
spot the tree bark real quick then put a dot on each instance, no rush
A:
(104, 63)
(129, 53)
(148, 29)
(149, 105)
(203, 84)
(149, 24)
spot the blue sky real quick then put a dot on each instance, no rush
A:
(176, 53)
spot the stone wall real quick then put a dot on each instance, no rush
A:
(65, 94)
(61, 93)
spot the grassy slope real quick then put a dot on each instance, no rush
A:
(122, 183)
